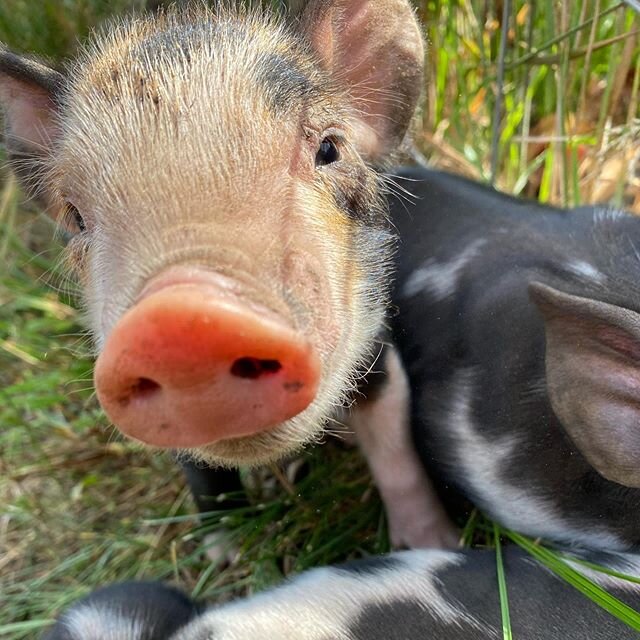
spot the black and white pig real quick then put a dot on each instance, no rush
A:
(519, 328)
(426, 594)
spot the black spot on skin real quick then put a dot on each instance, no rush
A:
(352, 203)
(368, 566)
(283, 81)
(293, 387)
(176, 42)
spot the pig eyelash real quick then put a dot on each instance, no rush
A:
(73, 215)
(327, 153)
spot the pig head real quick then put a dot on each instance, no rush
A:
(229, 234)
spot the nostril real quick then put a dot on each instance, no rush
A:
(253, 368)
(144, 386)
(140, 389)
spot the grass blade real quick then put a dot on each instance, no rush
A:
(606, 570)
(502, 587)
(579, 581)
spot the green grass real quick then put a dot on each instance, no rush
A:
(80, 507)
(53, 28)
(502, 586)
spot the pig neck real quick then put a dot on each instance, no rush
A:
(474, 350)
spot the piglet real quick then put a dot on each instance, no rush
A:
(219, 173)
(519, 328)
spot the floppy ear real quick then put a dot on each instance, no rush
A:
(376, 48)
(29, 100)
(593, 378)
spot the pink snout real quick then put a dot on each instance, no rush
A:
(187, 366)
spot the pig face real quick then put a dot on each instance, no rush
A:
(229, 234)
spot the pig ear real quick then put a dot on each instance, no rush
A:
(593, 378)
(28, 96)
(376, 48)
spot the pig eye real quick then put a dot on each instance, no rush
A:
(327, 153)
(73, 215)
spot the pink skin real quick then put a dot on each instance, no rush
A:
(192, 363)
(382, 426)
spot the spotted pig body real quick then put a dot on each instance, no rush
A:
(427, 594)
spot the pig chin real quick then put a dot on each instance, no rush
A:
(265, 447)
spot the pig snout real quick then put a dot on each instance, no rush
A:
(192, 363)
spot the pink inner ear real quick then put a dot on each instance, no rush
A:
(620, 341)
(30, 113)
(375, 48)
(322, 38)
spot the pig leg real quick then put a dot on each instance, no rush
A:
(211, 488)
(382, 427)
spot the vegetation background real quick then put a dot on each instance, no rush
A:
(538, 96)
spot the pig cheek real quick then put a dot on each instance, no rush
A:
(312, 297)
(78, 260)
(116, 268)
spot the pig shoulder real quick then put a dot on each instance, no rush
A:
(467, 253)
